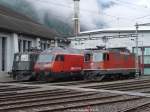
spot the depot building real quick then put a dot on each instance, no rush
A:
(19, 33)
(116, 38)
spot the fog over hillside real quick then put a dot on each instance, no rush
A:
(58, 15)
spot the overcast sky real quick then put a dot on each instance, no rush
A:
(94, 13)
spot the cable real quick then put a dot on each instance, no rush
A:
(130, 3)
(142, 17)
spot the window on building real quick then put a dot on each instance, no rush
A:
(147, 51)
(139, 51)
(29, 45)
(146, 59)
(24, 45)
(146, 71)
(3, 52)
(44, 46)
(48, 45)
(19, 45)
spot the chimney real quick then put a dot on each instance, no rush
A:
(76, 17)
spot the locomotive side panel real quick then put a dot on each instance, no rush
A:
(113, 64)
(58, 64)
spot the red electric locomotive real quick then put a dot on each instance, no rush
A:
(59, 63)
(111, 63)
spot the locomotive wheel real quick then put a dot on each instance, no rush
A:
(49, 79)
(86, 76)
(98, 78)
(132, 75)
(89, 76)
(40, 77)
(21, 77)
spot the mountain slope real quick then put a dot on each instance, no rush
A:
(24, 7)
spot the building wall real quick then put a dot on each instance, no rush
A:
(12, 46)
(3, 55)
(116, 42)
(143, 40)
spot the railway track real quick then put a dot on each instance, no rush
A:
(144, 107)
(68, 102)
(127, 86)
(38, 98)
(56, 99)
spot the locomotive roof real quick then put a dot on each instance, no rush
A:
(58, 50)
(108, 51)
(119, 49)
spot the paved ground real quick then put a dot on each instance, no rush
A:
(4, 77)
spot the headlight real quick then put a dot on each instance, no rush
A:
(47, 65)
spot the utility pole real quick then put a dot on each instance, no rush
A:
(137, 58)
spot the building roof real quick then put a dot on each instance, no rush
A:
(12, 21)
(119, 29)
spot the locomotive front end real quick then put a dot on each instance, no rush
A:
(44, 66)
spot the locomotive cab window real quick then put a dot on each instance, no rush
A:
(45, 58)
(87, 57)
(16, 57)
(97, 57)
(59, 58)
(105, 56)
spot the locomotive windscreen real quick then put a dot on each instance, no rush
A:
(97, 57)
(45, 58)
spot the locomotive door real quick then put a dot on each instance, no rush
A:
(87, 61)
(117, 61)
(60, 63)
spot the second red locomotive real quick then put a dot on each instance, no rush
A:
(108, 63)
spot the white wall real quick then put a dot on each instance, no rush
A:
(12, 47)
(144, 40)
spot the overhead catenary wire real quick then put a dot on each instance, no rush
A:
(103, 37)
(133, 5)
